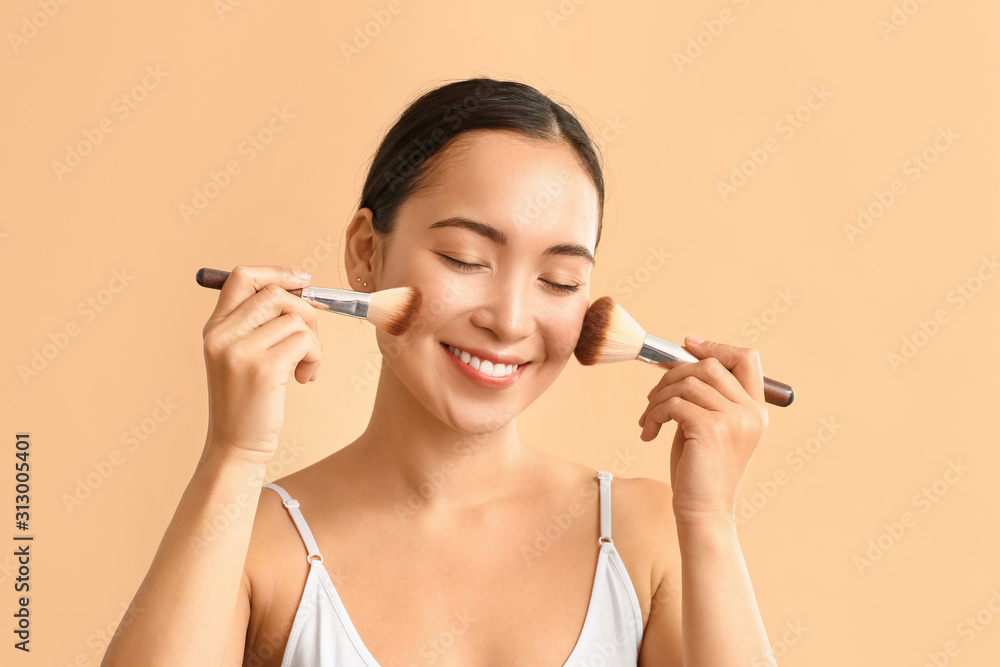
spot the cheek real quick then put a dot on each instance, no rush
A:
(562, 327)
(446, 295)
(444, 298)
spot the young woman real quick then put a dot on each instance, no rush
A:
(440, 537)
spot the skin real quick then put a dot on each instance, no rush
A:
(423, 520)
(465, 537)
(506, 304)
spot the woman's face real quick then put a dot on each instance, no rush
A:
(522, 216)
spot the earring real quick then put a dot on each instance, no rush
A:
(366, 284)
(359, 280)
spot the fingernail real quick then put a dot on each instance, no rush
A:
(303, 275)
(695, 339)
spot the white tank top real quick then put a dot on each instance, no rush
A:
(323, 635)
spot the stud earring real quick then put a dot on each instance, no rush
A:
(366, 284)
(359, 280)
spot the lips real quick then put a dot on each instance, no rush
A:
(487, 355)
(490, 370)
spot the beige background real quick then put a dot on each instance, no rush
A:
(670, 134)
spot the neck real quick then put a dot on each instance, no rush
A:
(415, 461)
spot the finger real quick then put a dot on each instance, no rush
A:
(295, 347)
(243, 330)
(270, 302)
(695, 389)
(711, 372)
(691, 388)
(677, 409)
(274, 331)
(244, 281)
(668, 377)
(650, 430)
(744, 362)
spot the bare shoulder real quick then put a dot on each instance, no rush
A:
(643, 530)
(647, 503)
(648, 506)
(276, 566)
(275, 537)
(641, 509)
(272, 540)
(644, 508)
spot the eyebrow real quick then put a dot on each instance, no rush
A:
(500, 238)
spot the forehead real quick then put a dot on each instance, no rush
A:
(522, 185)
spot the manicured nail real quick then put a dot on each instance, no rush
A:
(303, 275)
(695, 339)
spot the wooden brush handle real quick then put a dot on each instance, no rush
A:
(778, 393)
(214, 279)
(775, 393)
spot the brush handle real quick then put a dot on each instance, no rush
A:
(778, 393)
(330, 299)
(214, 279)
(656, 350)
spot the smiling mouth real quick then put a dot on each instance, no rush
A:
(486, 367)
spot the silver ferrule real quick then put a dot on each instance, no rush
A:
(655, 350)
(343, 301)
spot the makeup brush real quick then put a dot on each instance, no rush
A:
(393, 310)
(610, 334)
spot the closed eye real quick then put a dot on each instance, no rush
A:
(465, 266)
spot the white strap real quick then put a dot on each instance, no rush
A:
(292, 506)
(605, 480)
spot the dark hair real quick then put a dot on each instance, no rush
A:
(403, 164)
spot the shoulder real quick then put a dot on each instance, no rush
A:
(643, 508)
(645, 533)
(274, 537)
(273, 523)
(273, 530)
(643, 529)
(653, 534)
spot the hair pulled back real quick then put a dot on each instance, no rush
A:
(402, 164)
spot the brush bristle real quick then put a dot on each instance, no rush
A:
(393, 310)
(608, 334)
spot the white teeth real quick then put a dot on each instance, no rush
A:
(487, 367)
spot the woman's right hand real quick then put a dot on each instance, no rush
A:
(258, 335)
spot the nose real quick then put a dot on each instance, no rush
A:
(507, 310)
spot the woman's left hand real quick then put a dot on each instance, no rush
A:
(720, 415)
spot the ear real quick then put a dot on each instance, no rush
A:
(359, 251)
